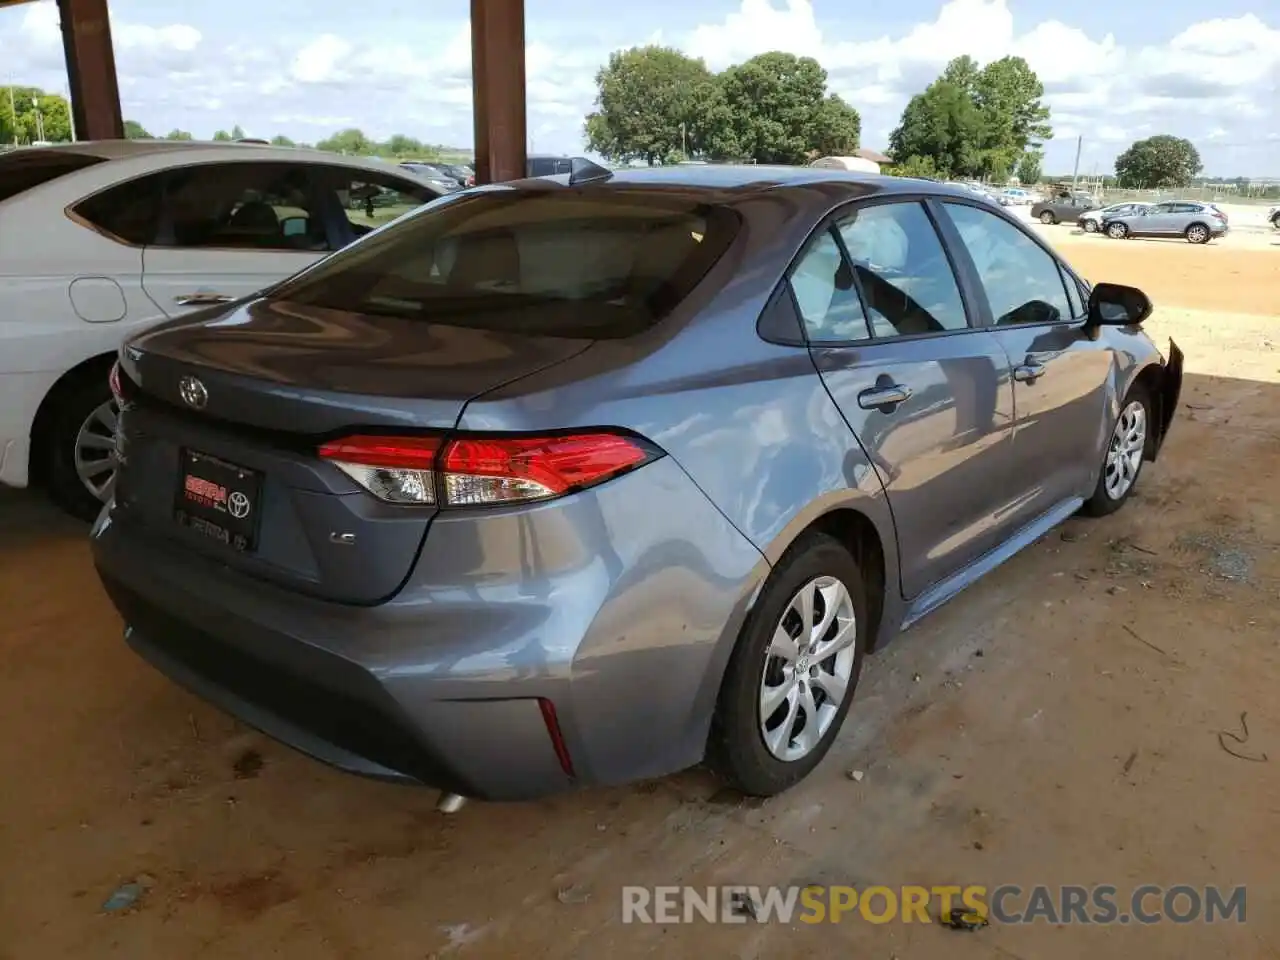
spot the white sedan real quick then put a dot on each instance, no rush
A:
(99, 239)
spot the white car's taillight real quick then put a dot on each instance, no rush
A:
(479, 469)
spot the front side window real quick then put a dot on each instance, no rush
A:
(370, 200)
(602, 263)
(902, 271)
(1022, 281)
(241, 206)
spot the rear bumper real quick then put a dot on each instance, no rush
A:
(1170, 392)
(622, 624)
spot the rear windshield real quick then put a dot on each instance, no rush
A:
(561, 261)
(22, 170)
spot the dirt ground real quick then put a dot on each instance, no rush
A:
(1059, 723)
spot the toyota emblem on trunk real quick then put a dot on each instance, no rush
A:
(193, 393)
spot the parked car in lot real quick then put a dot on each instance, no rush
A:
(1091, 221)
(434, 173)
(98, 240)
(1064, 208)
(1197, 222)
(585, 479)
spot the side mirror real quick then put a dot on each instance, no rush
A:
(1115, 305)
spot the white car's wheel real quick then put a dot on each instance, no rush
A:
(1091, 226)
(75, 452)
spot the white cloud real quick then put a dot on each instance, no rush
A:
(1217, 80)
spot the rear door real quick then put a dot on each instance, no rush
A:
(228, 230)
(928, 396)
(1036, 311)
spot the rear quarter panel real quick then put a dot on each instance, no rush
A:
(749, 421)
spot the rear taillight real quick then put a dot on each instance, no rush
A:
(395, 469)
(480, 470)
(113, 381)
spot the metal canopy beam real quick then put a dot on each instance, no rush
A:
(91, 70)
(498, 84)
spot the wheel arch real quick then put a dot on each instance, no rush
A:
(99, 363)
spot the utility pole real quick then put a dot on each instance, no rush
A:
(13, 111)
(1075, 172)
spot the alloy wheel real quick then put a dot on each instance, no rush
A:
(1090, 227)
(808, 668)
(95, 450)
(1046, 217)
(1197, 233)
(1117, 231)
(1124, 456)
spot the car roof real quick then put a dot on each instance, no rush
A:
(754, 178)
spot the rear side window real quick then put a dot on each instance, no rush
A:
(23, 170)
(594, 263)
(126, 212)
(241, 206)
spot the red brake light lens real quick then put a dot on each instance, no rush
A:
(480, 470)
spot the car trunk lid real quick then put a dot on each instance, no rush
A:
(224, 412)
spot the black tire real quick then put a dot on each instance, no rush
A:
(1275, 221)
(1197, 233)
(70, 405)
(737, 751)
(1102, 503)
(1047, 218)
(1117, 231)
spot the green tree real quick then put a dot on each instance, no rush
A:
(133, 130)
(654, 104)
(942, 124)
(176, 134)
(400, 145)
(920, 167)
(221, 136)
(237, 133)
(1008, 95)
(1029, 169)
(835, 129)
(351, 140)
(1159, 161)
(280, 140)
(778, 111)
(36, 115)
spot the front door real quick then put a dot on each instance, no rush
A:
(228, 230)
(928, 397)
(1036, 312)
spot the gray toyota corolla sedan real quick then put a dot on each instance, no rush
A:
(587, 479)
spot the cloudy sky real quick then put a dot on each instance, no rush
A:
(1114, 71)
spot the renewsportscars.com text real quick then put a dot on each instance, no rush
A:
(1099, 904)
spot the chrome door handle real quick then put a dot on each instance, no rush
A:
(201, 299)
(1028, 372)
(890, 395)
